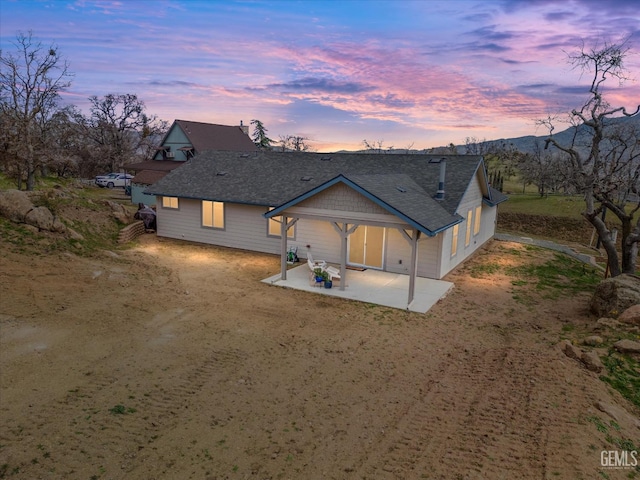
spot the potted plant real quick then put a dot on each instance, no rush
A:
(319, 274)
(328, 283)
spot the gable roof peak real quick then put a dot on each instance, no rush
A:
(210, 136)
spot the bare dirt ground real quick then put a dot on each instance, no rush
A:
(171, 360)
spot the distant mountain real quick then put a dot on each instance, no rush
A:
(564, 137)
(524, 144)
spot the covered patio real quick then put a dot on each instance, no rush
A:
(370, 286)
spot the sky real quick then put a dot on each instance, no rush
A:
(406, 74)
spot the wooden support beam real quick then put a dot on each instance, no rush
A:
(413, 268)
(343, 256)
(283, 248)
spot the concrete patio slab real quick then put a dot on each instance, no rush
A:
(371, 286)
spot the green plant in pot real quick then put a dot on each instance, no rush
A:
(328, 283)
(319, 274)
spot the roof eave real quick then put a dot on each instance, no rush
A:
(493, 203)
(342, 179)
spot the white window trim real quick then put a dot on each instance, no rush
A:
(215, 221)
(167, 202)
(467, 237)
(477, 225)
(275, 223)
(454, 239)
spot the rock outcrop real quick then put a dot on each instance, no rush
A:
(631, 315)
(17, 206)
(627, 346)
(614, 295)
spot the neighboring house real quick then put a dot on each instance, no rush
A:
(183, 141)
(148, 173)
(413, 214)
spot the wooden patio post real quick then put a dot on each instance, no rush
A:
(283, 248)
(415, 234)
(343, 255)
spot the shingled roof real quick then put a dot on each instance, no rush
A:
(209, 136)
(158, 165)
(403, 184)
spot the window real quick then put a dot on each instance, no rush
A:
(169, 202)
(476, 225)
(212, 214)
(454, 240)
(467, 238)
(274, 227)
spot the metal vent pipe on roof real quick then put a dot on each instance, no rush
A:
(443, 169)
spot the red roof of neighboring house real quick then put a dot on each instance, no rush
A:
(148, 177)
(157, 165)
(209, 136)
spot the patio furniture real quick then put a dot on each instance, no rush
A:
(333, 272)
(315, 264)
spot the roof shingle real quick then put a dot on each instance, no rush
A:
(274, 178)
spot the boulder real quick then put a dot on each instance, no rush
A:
(605, 322)
(14, 205)
(121, 217)
(627, 346)
(17, 206)
(593, 341)
(118, 211)
(73, 235)
(620, 415)
(570, 350)
(591, 360)
(614, 295)
(58, 226)
(40, 217)
(631, 315)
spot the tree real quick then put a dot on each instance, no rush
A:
(31, 80)
(603, 157)
(61, 139)
(375, 147)
(120, 130)
(475, 146)
(409, 148)
(259, 136)
(542, 168)
(294, 143)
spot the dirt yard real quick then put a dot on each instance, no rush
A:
(171, 360)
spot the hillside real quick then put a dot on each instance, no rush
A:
(527, 144)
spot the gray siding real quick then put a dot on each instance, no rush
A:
(321, 236)
(398, 254)
(471, 199)
(245, 227)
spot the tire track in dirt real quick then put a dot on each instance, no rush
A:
(467, 425)
(98, 437)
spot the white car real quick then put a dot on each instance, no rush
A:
(114, 180)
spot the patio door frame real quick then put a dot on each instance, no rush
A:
(366, 262)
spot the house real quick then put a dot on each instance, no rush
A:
(413, 214)
(183, 141)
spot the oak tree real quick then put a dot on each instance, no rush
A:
(31, 80)
(603, 155)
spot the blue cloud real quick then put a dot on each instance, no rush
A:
(489, 32)
(311, 84)
(171, 83)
